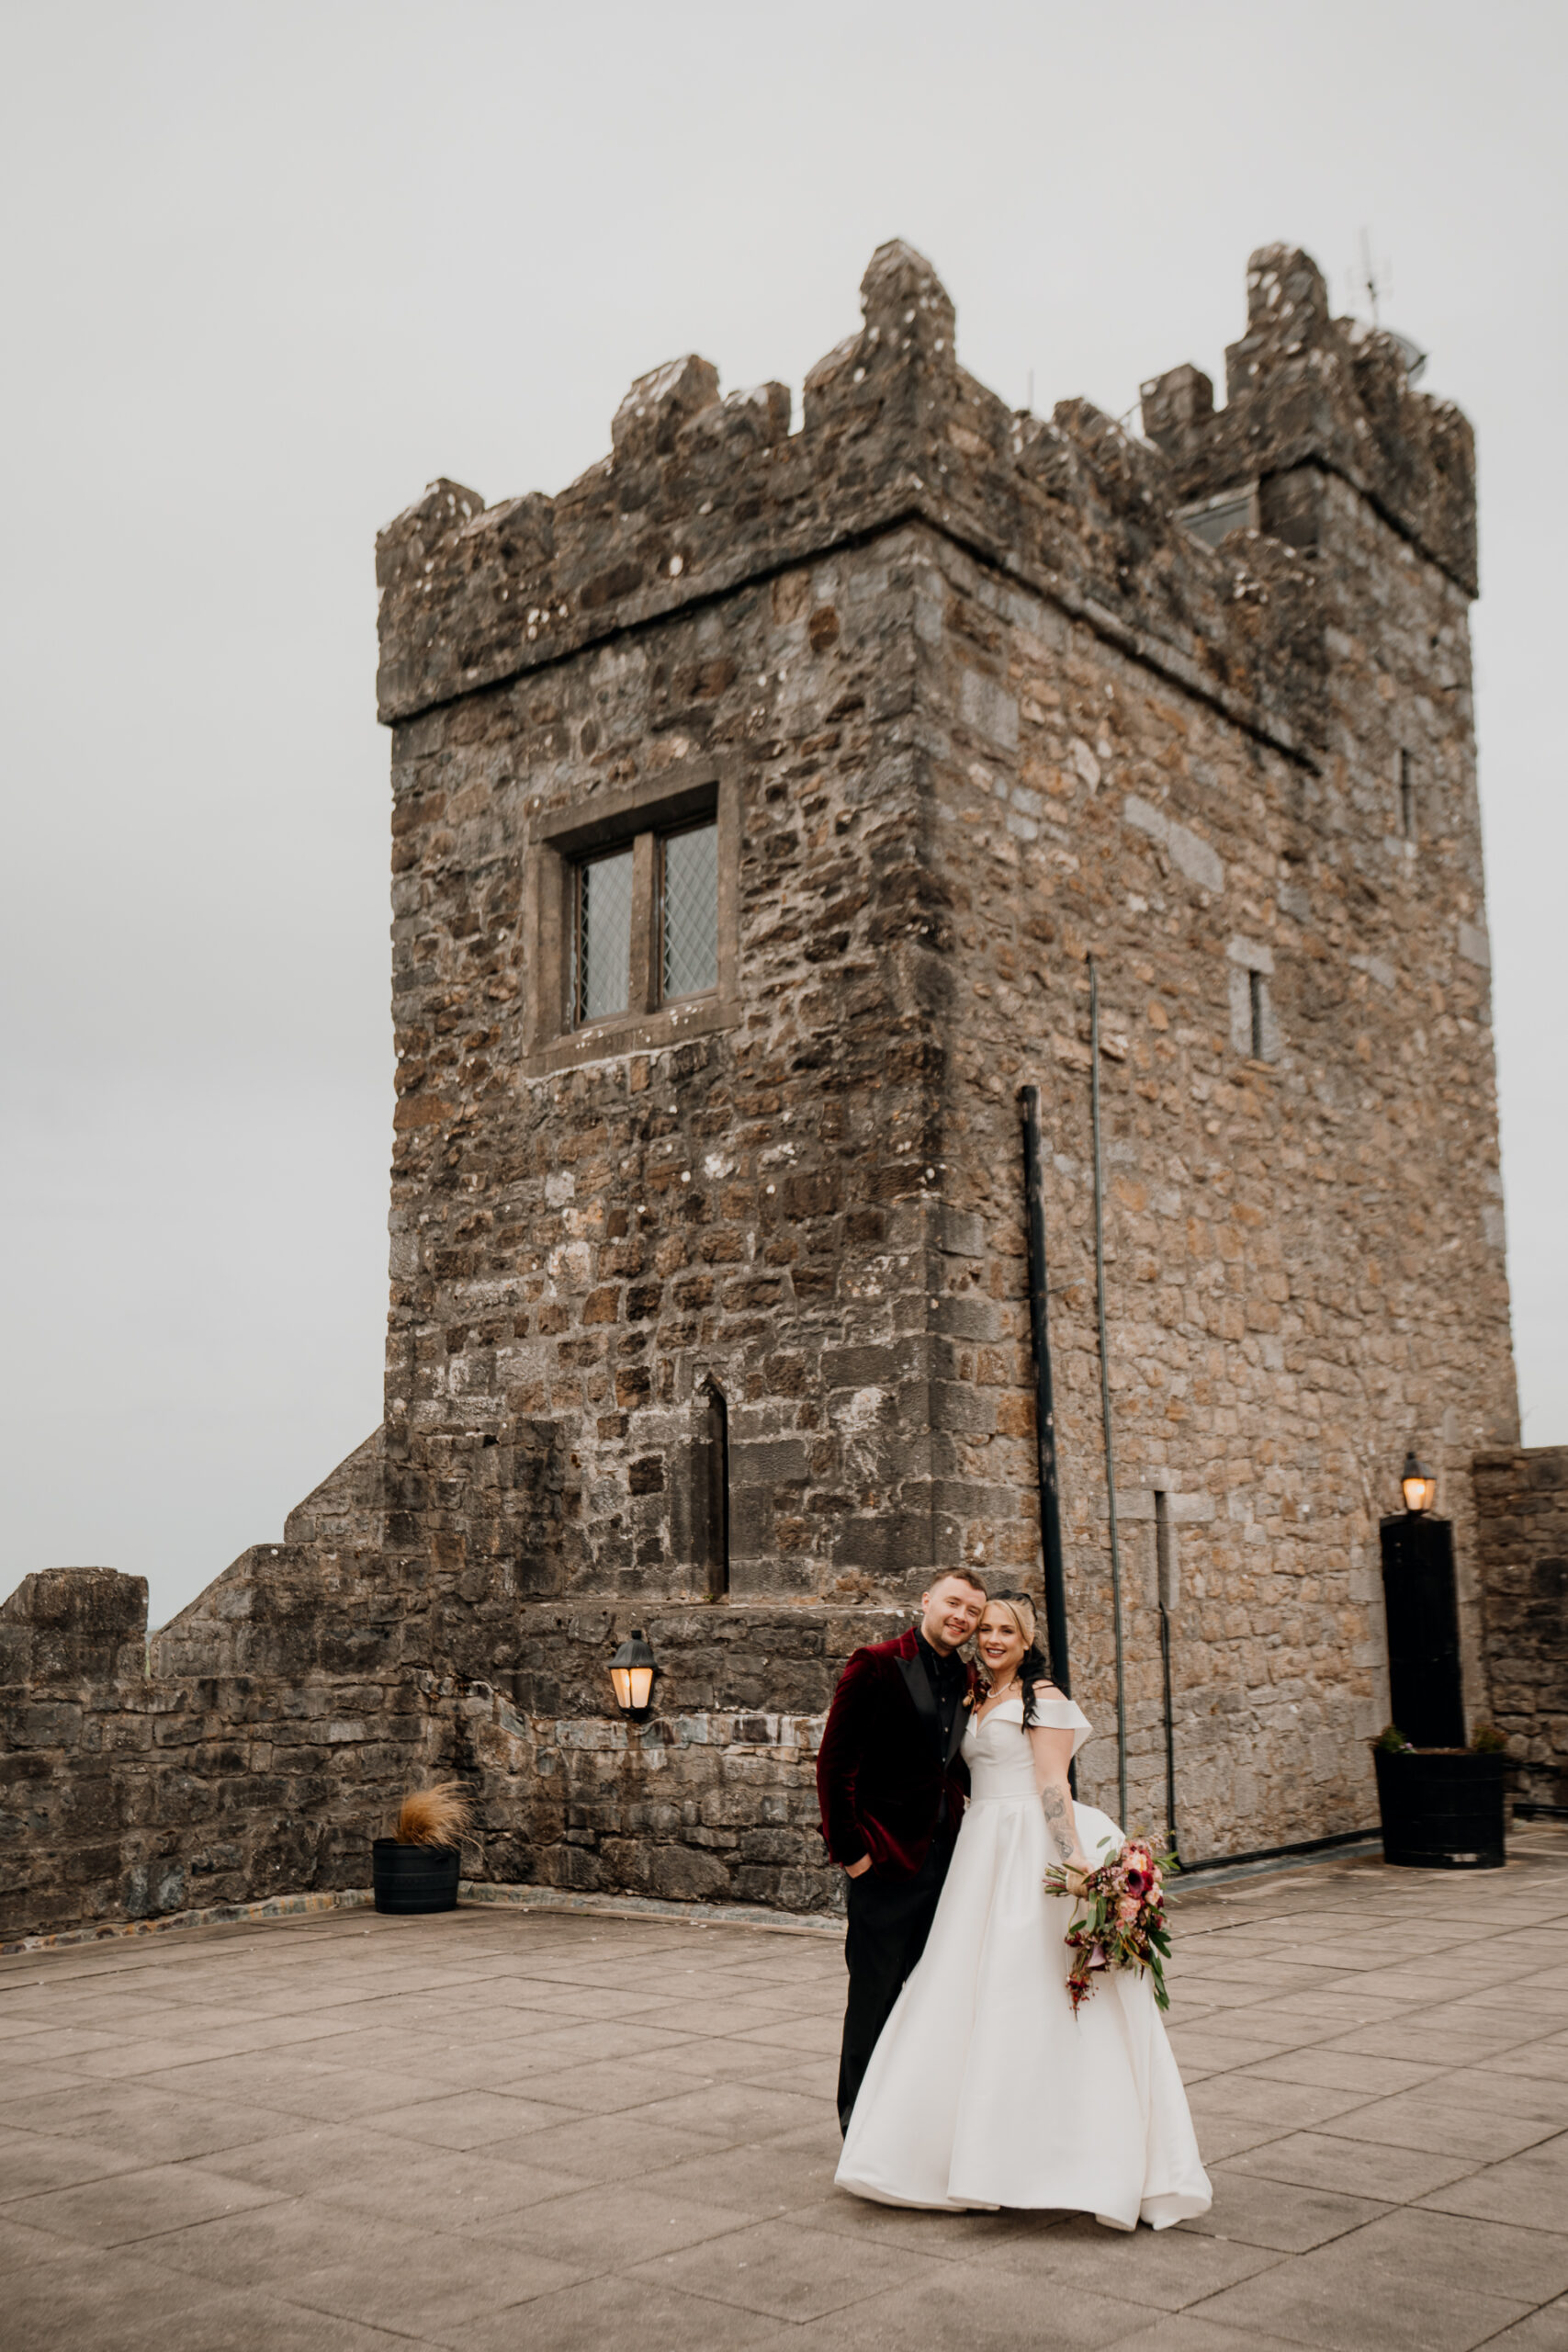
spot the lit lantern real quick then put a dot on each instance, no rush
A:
(631, 1676)
(1419, 1484)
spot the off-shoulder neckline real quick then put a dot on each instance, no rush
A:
(1046, 1690)
(1042, 1698)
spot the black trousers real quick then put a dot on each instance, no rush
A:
(889, 1921)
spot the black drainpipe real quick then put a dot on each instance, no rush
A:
(1105, 1391)
(1164, 1571)
(1044, 1411)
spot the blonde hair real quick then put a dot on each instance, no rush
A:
(1021, 1610)
(1032, 1666)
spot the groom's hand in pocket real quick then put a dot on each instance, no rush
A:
(858, 1870)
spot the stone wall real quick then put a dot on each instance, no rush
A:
(1276, 1341)
(714, 1799)
(73, 1735)
(252, 1747)
(1521, 1498)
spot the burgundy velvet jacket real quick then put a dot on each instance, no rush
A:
(879, 1775)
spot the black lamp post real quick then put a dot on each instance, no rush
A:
(1441, 1803)
(632, 1670)
(1419, 1592)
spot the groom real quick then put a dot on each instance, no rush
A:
(892, 1786)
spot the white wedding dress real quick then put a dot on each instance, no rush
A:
(983, 2089)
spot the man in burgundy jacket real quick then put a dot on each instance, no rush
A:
(893, 1785)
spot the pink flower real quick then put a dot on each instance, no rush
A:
(1128, 1907)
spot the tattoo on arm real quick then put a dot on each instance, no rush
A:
(1059, 1820)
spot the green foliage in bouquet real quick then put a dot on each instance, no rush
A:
(1121, 1922)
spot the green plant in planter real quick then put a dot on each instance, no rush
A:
(1487, 1740)
(1441, 1807)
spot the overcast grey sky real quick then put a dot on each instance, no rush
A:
(269, 268)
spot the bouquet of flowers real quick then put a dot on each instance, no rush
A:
(1122, 1923)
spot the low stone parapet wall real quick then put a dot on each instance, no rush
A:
(712, 1799)
(1521, 1505)
(250, 1749)
(254, 1747)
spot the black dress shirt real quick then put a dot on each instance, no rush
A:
(949, 1679)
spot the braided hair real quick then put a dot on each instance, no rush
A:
(1033, 1666)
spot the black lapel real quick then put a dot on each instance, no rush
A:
(914, 1674)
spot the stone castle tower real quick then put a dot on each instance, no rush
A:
(886, 726)
(760, 802)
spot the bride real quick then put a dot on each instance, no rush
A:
(985, 2089)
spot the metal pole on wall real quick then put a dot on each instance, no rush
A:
(1165, 1574)
(1044, 1411)
(1105, 1392)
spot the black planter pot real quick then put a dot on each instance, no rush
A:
(1441, 1807)
(414, 1878)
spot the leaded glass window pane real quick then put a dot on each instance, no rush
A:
(602, 980)
(690, 901)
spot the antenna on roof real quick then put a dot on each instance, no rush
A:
(1376, 287)
(1369, 276)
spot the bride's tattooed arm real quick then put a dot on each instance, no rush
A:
(1057, 1807)
(1052, 1753)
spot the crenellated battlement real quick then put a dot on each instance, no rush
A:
(1306, 390)
(701, 493)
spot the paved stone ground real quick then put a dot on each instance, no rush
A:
(511, 2129)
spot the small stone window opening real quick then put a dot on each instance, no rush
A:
(1254, 1031)
(1258, 1010)
(716, 1458)
(1406, 797)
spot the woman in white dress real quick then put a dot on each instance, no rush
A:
(983, 2089)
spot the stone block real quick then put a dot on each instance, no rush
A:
(782, 1461)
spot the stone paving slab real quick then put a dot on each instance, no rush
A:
(505, 2128)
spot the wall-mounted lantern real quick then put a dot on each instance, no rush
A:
(632, 1670)
(1419, 1485)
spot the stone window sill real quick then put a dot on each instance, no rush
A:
(640, 1033)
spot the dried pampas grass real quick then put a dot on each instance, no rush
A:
(435, 1817)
